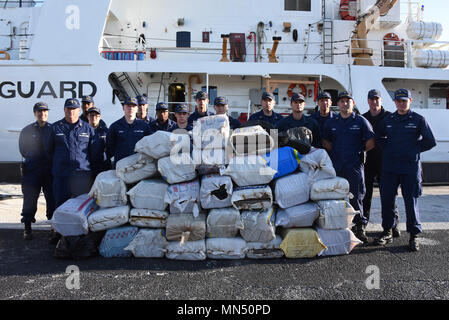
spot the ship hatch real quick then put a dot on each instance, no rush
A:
(176, 94)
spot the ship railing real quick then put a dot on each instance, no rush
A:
(20, 3)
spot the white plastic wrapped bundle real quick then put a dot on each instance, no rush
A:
(249, 171)
(265, 250)
(161, 143)
(337, 241)
(303, 215)
(211, 132)
(109, 190)
(292, 190)
(148, 243)
(136, 167)
(216, 191)
(223, 223)
(185, 227)
(251, 140)
(108, 218)
(318, 165)
(177, 169)
(330, 189)
(335, 214)
(116, 240)
(183, 197)
(189, 250)
(226, 248)
(252, 198)
(258, 226)
(148, 218)
(149, 194)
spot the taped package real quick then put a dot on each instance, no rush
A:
(148, 218)
(135, 168)
(303, 215)
(70, 218)
(184, 197)
(338, 242)
(292, 190)
(251, 140)
(265, 250)
(160, 144)
(284, 160)
(226, 248)
(116, 240)
(249, 170)
(223, 223)
(149, 194)
(317, 165)
(210, 161)
(109, 190)
(335, 214)
(258, 226)
(189, 250)
(177, 169)
(148, 243)
(211, 132)
(108, 218)
(185, 227)
(330, 189)
(216, 191)
(252, 198)
(301, 243)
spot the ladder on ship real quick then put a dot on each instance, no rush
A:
(328, 39)
(117, 85)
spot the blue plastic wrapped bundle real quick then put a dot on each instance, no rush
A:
(116, 240)
(284, 160)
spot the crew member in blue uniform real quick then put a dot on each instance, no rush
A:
(267, 114)
(202, 102)
(373, 164)
(124, 133)
(221, 107)
(142, 109)
(101, 162)
(402, 135)
(182, 118)
(162, 121)
(87, 102)
(346, 137)
(70, 145)
(36, 168)
(324, 113)
(298, 119)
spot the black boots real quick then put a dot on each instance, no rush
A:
(359, 232)
(27, 234)
(396, 232)
(413, 244)
(385, 238)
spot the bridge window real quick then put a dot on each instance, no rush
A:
(297, 5)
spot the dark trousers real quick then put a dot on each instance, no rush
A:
(372, 175)
(355, 177)
(67, 187)
(411, 190)
(32, 184)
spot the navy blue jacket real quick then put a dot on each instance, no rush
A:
(374, 156)
(122, 137)
(31, 146)
(70, 145)
(402, 139)
(322, 120)
(167, 126)
(234, 123)
(148, 119)
(274, 119)
(101, 162)
(306, 121)
(348, 138)
(195, 116)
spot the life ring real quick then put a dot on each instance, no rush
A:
(391, 37)
(344, 10)
(293, 85)
(5, 55)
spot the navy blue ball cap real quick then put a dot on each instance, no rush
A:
(142, 99)
(181, 108)
(161, 106)
(72, 103)
(220, 100)
(374, 94)
(40, 106)
(324, 95)
(94, 109)
(298, 97)
(345, 94)
(131, 101)
(201, 95)
(402, 94)
(268, 95)
(87, 99)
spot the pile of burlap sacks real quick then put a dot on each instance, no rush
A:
(213, 193)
